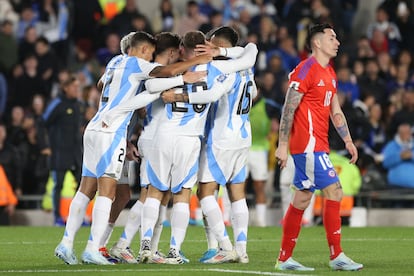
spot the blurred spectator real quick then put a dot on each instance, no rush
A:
(10, 159)
(83, 62)
(399, 158)
(379, 42)
(111, 49)
(386, 66)
(8, 199)
(122, 22)
(15, 130)
(191, 20)
(8, 13)
(346, 85)
(86, 21)
(405, 115)
(165, 17)
(27, 44)
(402, 80)
(405, 23)
(27, 18)
(377, 138)
(26, 82)
(48, 64)
(364, 50)
(371, 82)
(8, 47)
(206, 7)
(216, 20)
(389, 29)
(63, 119)
(288, 54)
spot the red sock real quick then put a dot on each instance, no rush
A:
(291, 228)
(332, 223)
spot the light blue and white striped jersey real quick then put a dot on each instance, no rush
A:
(228, 124)
(189, 119)
(124, 78)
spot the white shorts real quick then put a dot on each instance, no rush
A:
(221, 165)
(172, 162)
(128, 175)
(257, 165)
(143, 145)
(103, 154)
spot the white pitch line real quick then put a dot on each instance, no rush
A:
(218, 270)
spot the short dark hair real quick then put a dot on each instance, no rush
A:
(166, 40)
(313, 30)
(141, 37)
(191, 39)
(225, 32)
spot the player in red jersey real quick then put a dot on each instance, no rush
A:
(310, 102)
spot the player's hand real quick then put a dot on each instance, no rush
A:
(194, 76)
(281, 155)
(350, 147)
(168, 96)
(208, 48)
(132, 152)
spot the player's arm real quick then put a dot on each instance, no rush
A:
(156, 85)
(222, 85)
(292, 101)
(339, 121)
(215, 51)
(178, 67)
(246, 61)
(141, 100)
(100, 83)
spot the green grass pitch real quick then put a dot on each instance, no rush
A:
(382, 250)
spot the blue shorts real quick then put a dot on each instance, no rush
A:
(313, 171)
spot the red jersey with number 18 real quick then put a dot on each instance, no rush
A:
(311, 121)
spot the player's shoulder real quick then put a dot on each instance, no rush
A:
(304, 67)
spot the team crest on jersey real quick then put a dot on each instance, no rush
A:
(332, 173)
(334, 83)
(221, 78)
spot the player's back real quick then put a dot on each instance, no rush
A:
(123, 79)
(185, 118)
(229, 124)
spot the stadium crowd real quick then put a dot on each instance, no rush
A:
(43, 43)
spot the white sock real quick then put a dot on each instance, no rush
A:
(214, 218)
(179, 221)
(240, 224)
(158, 228)
(212, 242)
(100, 217)
(107, 234)
(261, 214)
(133, 224)
(150, 212)
(77, 211)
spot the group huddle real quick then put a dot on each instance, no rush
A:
(197, 131)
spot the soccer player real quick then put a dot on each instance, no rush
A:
(104, 146)
(167, 52)
(224, 153)
(173, 163)
(311, 100)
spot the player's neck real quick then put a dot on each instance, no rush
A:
(163, 60)
(322, 59)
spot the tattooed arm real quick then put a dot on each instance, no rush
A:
(292, 101)
(339, 121)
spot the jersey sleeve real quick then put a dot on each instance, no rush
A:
(160, 84)
(222, 85)
(141, 100)
(300, 78)
(246, 61)
(233, 52)
(146, 67)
